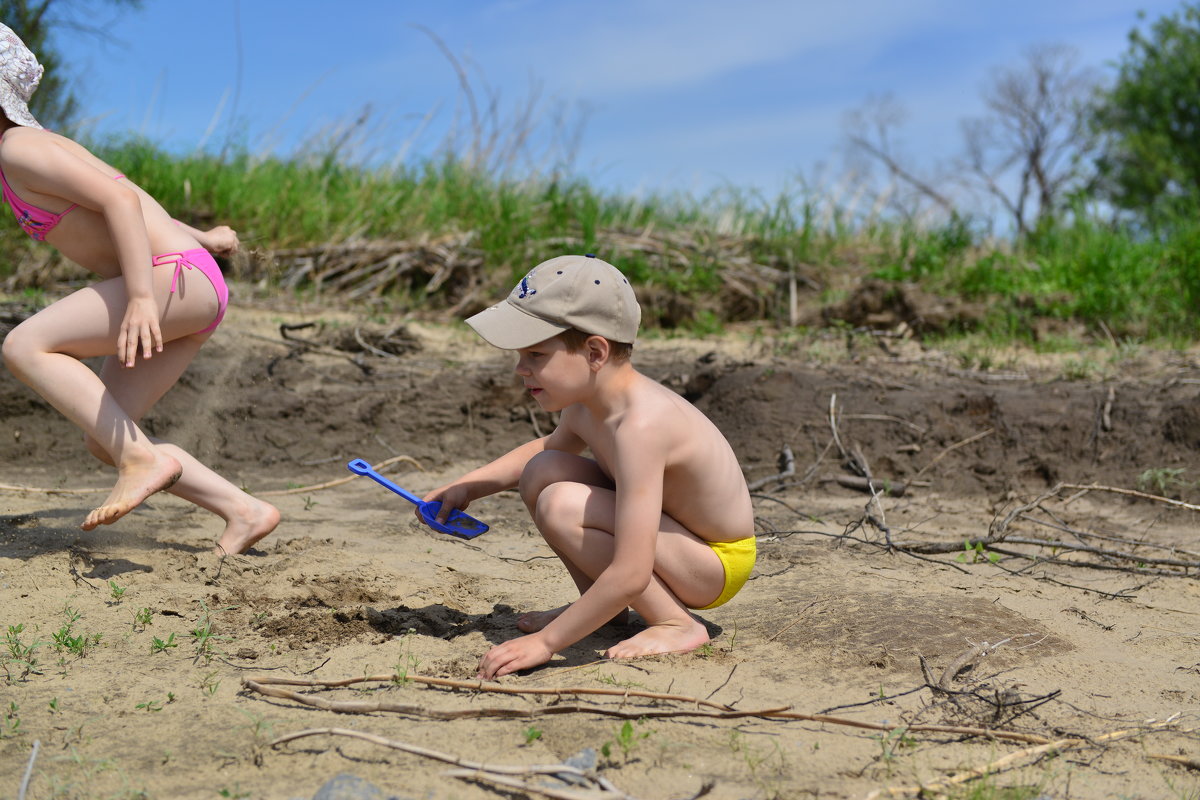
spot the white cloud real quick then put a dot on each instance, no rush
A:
(649, 46)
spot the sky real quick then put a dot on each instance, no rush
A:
(657, 96)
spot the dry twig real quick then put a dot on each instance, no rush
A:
(261, 683)
(476, 768)
(338, 481)
(991, 768)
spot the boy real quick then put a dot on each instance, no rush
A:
(658, 518)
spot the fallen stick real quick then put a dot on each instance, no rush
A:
(372, 707)
(872, 485)
(259, 684)
(532, 788)
(1082, 489)
(1001, 763)
(338, 481)
(953, 447)
(37, 743)
(474, 766)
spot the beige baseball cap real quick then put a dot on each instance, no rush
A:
(581, 292)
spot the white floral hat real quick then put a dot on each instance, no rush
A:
(20, 74)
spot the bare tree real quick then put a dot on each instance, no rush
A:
(870, 132)
(1026, 152)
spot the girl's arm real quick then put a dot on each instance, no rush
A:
(221, 240)
(48, 169)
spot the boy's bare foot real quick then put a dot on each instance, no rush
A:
(534, 621)
(252, 522)
(658, 639)
(134, 484)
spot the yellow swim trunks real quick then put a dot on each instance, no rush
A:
(738, 560)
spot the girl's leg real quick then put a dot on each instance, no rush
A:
(45, 352)
(247, 519)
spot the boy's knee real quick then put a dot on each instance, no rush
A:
(536, 476)
(559, 503)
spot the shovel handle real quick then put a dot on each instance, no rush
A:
(361, 467)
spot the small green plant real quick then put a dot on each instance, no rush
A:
(974, 553)
(158, 645)
(209, 684)
(409, 662)
(1162, 480)
(156, 705)
(10, 725)
(142, 618)
(1080, 369)
(204, 637)
(531, 734)
(766, 765)
(891, 743)
(66, 640)
(116, 591)
(54, 709)
(627, 739)
(309, 503)
(21, 659)
(261, 732)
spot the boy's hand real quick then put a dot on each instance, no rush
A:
(515, 654)
(451, 496)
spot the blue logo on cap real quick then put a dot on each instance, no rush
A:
(525, 290)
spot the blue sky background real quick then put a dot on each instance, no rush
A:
(679, 95)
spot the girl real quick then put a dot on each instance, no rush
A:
(160, 298)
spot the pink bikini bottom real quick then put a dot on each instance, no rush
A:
(202, 260)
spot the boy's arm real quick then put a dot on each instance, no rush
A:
(638, 467)
(498, 475)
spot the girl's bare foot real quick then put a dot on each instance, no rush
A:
(134, 484)
(251, 523)
(534, 621)
(665, 638)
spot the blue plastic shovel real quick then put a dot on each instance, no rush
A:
(457, 524)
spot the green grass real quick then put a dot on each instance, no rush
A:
(682, 250)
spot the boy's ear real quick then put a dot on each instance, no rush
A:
(597, 350)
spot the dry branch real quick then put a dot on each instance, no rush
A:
(1007, 761)
(260, 684)
(339, 481)
(602, 787)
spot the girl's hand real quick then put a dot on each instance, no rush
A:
(515, 654)
(139, 329)
(221, 240)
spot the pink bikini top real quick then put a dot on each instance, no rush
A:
(37, 222)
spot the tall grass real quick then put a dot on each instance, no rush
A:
(1131, 284)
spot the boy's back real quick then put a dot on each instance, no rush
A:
(702, 483)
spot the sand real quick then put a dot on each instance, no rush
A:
(151, 654)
